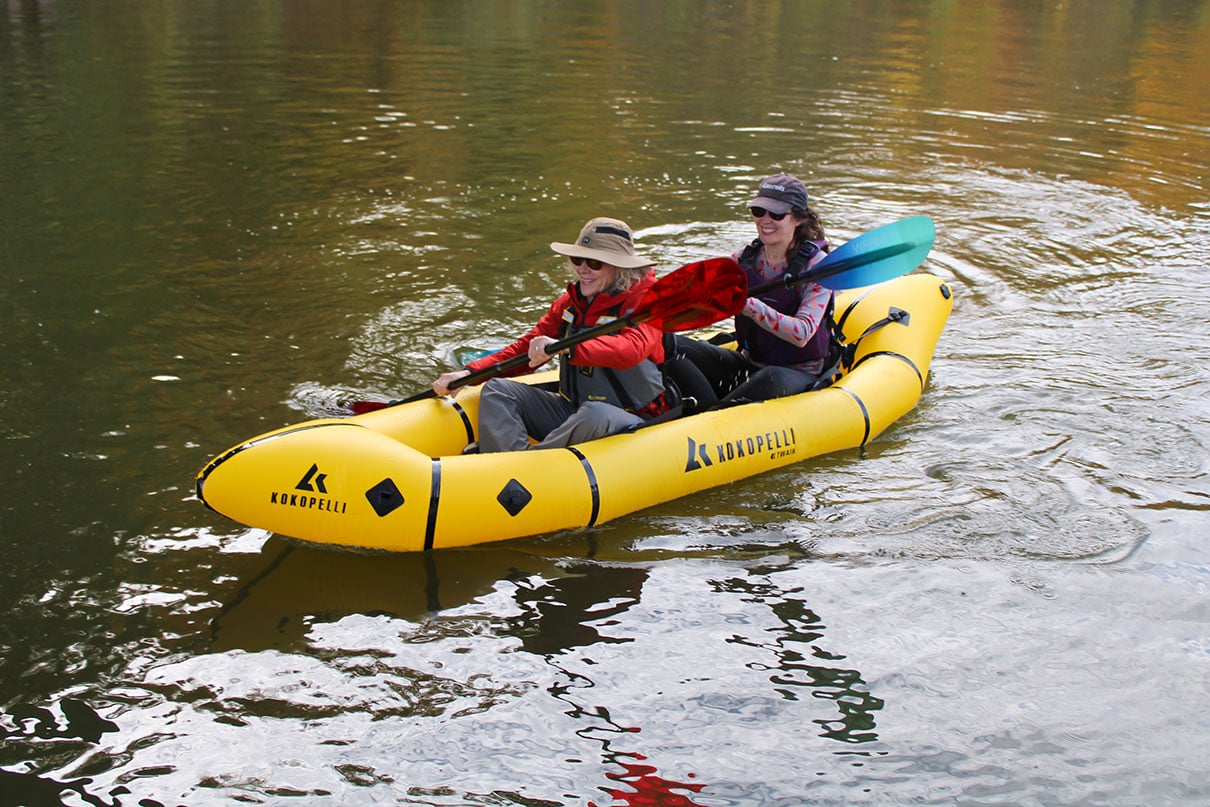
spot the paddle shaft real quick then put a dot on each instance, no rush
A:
(702, 286)
(821, 271)
(871, 265)
(553, 348)
(825, 269)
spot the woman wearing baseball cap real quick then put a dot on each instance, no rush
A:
(784, 335)
(606, 384)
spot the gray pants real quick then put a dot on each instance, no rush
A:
(511, 412)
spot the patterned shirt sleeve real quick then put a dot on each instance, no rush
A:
(797, 329)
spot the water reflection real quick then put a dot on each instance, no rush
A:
(276, 605)
(563, 615)
(292, 587)
(71, 726)
(567, 610)
(796, 668)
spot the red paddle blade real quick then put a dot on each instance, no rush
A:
(361, 407)
(695, 295)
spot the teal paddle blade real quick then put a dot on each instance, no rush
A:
(881, 254)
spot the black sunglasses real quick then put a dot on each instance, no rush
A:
(757, 212)
(593, 263)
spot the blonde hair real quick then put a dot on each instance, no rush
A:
(627, 277)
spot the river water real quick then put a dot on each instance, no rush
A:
(219, 218)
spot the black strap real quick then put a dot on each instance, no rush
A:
(893, 315)
(687, 406)
(627, 402)
(612, 231)
(843, 352)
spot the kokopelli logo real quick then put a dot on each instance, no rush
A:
(773, 445)
(312, 476)
(312, 482)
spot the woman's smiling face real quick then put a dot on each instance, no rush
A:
(774, 233)
(595, 281)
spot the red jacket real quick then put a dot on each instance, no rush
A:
(620, 351)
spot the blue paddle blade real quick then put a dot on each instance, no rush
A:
(465, 355)
(874, 257)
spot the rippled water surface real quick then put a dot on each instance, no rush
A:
(216, 219)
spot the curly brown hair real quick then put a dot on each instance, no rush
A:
(809, 228)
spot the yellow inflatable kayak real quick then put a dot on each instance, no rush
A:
(395, 479)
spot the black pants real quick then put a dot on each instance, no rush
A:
(710, 373)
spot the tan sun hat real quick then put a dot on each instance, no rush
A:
(607, 240)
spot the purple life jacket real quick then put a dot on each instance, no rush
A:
(764, 347)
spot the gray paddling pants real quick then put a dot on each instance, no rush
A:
(511, 412)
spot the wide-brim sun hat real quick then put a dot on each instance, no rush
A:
(779, 193)
(606, 240)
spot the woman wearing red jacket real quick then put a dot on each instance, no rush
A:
(606, 384)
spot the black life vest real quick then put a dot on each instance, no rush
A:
(632, 389)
